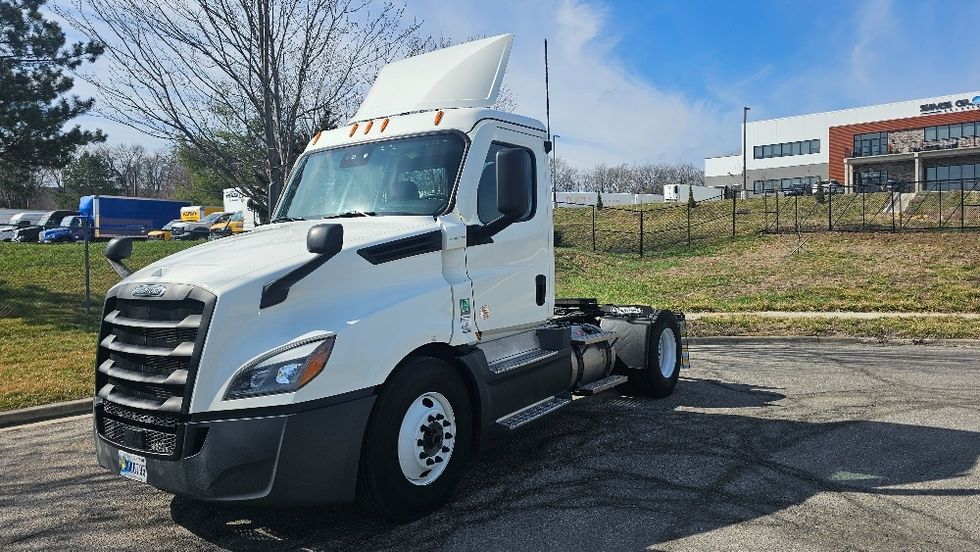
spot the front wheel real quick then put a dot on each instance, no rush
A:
(663, 367)
(418, 441)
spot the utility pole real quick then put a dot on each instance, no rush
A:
(745, 189)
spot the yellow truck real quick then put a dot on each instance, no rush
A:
(163, 233)
(195, 213)
(235, 224)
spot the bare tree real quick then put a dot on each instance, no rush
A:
(276, 71)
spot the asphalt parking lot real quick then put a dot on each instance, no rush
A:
(780, 447)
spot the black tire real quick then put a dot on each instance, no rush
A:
(382, 487)
(651, 381)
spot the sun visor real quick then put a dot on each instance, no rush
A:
(466, 75)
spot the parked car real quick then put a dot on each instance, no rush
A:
(72, 228)
(795, 190)
(200, 230)
(830, 187)
(163, 233)
(51, 219)
(234, 225)
(16, 222)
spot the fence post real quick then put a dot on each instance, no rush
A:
(893, 210)
(776, 198)
(830, 210)
(796, 211)
(688, 226)
(765, 210)
(864, 210)
(733, 212)
(88, 289)
(593, 228)
(641, 233)
(940, 207)
(962, 210)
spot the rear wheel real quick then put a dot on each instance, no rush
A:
(418, 441)
(659, 377)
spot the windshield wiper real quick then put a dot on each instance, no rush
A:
(285, 219)
(352, 214)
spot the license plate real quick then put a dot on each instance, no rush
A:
(132, 466)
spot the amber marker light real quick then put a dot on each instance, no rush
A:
(439, 115)
(384, 125)
(316, 137)
(367, 127)
(316, 361)
(353, 129)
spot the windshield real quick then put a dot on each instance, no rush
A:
(66, 222)
(404, 176)
(211, 218)
(170, 224)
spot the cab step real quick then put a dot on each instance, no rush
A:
(536, 356)
(605, 383)
(534, 412)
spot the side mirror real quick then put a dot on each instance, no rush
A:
(514, 186)
(325, 239)
(117, 250)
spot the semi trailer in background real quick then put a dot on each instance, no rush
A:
(681, 192)
(115, 216)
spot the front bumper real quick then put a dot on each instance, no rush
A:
(306, 457)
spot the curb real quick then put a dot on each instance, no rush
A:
(801, 340)
(45, 412)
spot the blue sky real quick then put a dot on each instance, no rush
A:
(647, 81)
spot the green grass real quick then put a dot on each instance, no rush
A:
(946, 327)
(47, 341)
(904, 272)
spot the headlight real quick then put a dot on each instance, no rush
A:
(282, 370)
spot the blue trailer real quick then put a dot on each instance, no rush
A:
(115, 216)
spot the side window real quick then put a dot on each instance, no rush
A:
(486, 192)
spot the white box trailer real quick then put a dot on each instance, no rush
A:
(680, 192)
(397, 316)
(234, 202)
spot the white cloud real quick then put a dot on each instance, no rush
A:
(603, 111)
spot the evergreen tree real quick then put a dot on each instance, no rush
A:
(690, 197)
(819, 193)
(34, 105)
(90, 174)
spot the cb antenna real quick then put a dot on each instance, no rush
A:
(547, 98)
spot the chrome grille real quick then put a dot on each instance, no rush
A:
(147, 358)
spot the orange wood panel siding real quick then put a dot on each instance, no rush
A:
(842, 137)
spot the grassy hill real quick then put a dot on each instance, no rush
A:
(47, 342)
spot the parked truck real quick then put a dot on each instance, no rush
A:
(395, 317)
(112, 216)
(195, 213)
(682, 192)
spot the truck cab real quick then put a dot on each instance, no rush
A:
(395, 317)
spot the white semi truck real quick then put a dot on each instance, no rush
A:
(396, 316)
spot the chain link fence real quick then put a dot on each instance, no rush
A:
(647, 228)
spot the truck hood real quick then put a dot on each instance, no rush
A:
(268, 249)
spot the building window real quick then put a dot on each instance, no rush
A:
(951, 177)
(872, 143)
(952, 132)
(786, 149)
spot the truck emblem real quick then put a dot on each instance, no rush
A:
(144, 290)
(485, 312)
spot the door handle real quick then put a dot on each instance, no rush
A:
(540, 288)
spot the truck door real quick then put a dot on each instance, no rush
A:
(512, 275)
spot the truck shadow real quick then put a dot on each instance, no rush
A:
(621, 473)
